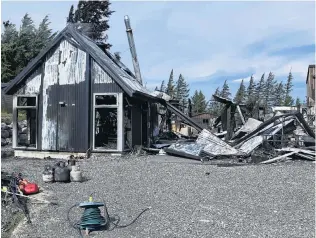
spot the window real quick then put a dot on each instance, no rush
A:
(25, 120)
(205, 121)
(101, 100)
(105, 129)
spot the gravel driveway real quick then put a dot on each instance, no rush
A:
(187, 200)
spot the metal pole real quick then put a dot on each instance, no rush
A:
(133, 49)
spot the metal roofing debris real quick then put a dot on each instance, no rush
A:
(213, 145)
(209, 144)
(162, 95)
(250, 125)
(251, 144)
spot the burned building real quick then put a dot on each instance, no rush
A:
(77, 97)
(310, 86)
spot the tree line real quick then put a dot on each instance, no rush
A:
(20, 46)
(265, 93)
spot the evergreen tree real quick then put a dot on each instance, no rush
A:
(288, 100)
(182, 91)
(91, 18)
(25, 43)
(162, 86)
(269, 97)
(225, 93)
(251, 92)
(199, 104)
(203, 103)
(8, 51)
(156, 88)
(260, 91)
(215, 107)
(279, 95)
(298, 102)
(43, 36)
(71, 15)
(170, 90)
(240, 95)
(18, 48)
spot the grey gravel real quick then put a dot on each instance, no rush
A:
(187, 200)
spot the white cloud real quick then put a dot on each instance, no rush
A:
(228, 28)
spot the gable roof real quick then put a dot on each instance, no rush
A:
(117, 70)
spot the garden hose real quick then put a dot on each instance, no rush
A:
(92, 220)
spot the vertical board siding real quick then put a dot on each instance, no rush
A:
(102, 81)
(72, 64)
(65, 127)
(32, 85)
(49, 122)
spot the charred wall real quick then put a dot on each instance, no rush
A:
(63, 99)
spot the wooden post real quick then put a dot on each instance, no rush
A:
(229, 124)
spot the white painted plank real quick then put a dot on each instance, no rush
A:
(277, 158)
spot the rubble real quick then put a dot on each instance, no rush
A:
(280, 133)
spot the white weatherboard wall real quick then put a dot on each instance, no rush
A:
(100, 75)
(65, 66)
(33, 84)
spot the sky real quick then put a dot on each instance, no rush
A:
(207, 42)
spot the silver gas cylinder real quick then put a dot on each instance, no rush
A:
(75, 174)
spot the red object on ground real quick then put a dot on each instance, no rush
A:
(30, 188)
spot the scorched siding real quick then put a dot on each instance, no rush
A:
(102, 81)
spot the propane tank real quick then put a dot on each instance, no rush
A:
(71, 163)
(48, 174)
(75, 174)
(62, 173)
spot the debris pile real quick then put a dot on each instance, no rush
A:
(280, 138)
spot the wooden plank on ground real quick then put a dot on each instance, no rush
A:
(277, 158)
(297, 150)
(306, 157)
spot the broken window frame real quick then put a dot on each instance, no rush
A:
(117, 106)
(16, 120)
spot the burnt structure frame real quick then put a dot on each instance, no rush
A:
(120, 131)
(15, 120)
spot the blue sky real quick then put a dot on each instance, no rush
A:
(207, 42)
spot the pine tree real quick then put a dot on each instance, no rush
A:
(251, 92)
(162, 86)
(18, 48)
(170, 90)
(260, 91)
(156, 88)
(203, 103)
(43, 36)
(288, 100)
(71, 15)
(182, 91)
(240, 95)
(91, 18)
(279, 95)
(225, 93)
(8, 51)
(270, 96)
(25, 43)
(199, 104)
(215, 107)
(298, 102)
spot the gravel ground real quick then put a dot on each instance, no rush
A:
(187, 200)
